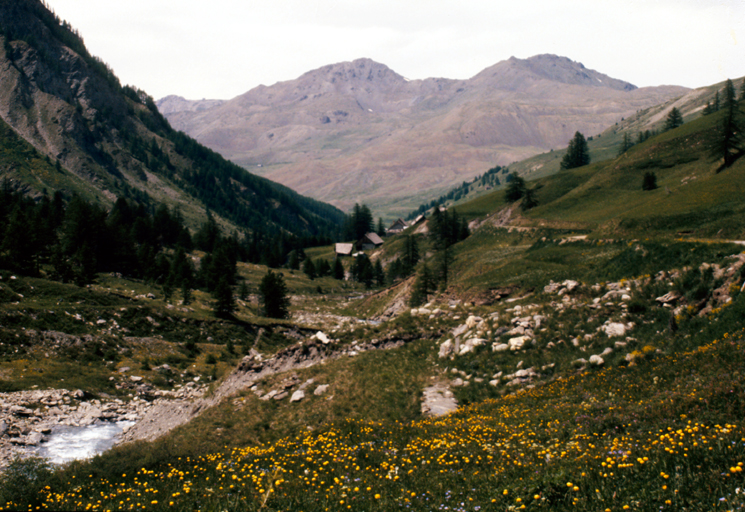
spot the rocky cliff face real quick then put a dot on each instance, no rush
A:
(358, 131)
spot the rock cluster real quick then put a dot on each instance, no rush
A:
(28, 417)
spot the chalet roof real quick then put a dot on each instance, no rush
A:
(345, 249)
(373, 238)
(398, 222)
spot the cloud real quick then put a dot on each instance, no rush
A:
(222, 48)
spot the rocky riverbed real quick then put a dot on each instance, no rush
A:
(28, 418)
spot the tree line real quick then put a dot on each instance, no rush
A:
(489, 178)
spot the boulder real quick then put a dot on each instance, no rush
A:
(570, 285)
(458, 382)
(460, 330)
(446, 349)
(472, 321)
(517, 343)
(3, 428)
(499, 347)
(17, 410)
(34, 438)
(297, 396)
(613, 329)
(606, 352)
(269, 395)
(597, 360)
(322, 338)
(470, 344)
(321, 389)
(280, 396)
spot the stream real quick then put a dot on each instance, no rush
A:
(66, 443)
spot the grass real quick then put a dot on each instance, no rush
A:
(665, 433)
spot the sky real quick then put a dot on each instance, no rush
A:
(219, 49)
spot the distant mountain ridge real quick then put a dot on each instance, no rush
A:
(360, 132)
(105, 140)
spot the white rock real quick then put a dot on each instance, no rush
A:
(606, 352)
(297, 396)
(321, 389)
(494, 382)
(499, 347)
(322, 338)
(597, 360)
(446, 349)
(613, 329)
(517, 343)
(472, 321)
(570, 285)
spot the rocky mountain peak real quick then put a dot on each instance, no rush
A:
(519, 74)
(357, 71)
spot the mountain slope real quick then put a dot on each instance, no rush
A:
(358, 131)
(112, 141)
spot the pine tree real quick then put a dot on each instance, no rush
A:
(273, 296)
(423, 286)
(650, 181)
(673, 120)
(381, 228)
(338, 269)
(309, 268)
(529, 200)
(729, 144)
(411, 255)
(378, 273)
(626, 144)
(577, 154)
(186, 292)
(224, 304)
(515, 189)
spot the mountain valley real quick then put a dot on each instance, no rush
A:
(556, 337)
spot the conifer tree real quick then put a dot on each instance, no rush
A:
(273, 295)
(423, 286)
(379, 273)
(730, 142)
(577, 154)
(224, 304)
(673, 119)
(411, 255)
(529, 199)
(515, 189)
(650, 181)
(338, 269)
(309, 268)
(626, 144)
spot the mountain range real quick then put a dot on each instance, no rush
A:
(360, 132)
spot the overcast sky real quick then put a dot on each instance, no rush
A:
(219, 49)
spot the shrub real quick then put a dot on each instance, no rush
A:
(23, 480)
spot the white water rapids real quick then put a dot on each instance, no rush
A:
(66, 444)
